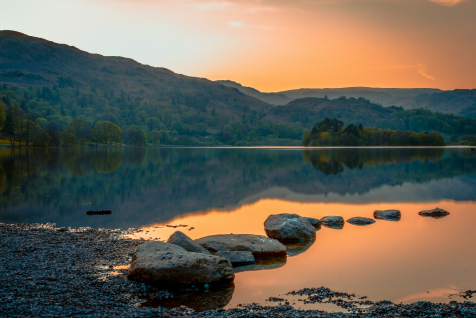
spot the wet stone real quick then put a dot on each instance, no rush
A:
(237, 257)
(332, 220)
(289, 227)
(361, 221)
(390, 215)
(180, 239)
(257, 244)
(434, 213)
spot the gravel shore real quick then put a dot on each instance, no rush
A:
(63, 272)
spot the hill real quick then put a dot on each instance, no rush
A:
(270, 98)
(458, 102)
(27, 61)
(69, 95)
(361, 111)
(386, 97)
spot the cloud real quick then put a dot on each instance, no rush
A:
(242, 25)
(447, 3)
(422, 70)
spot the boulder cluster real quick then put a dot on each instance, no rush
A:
(216, 258)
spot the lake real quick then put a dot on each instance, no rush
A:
(234, 190)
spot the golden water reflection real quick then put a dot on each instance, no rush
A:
(415, 258)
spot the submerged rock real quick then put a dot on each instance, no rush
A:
(332, 220)
(265, 263)
(296, 248)
(390, 214)
(237, 257)
(361, 221)
(314, 221)
(180, 239)
(199, 298)
(172, 267)
(257, 244)
(435, 213)
(289, 227)
(152, 247)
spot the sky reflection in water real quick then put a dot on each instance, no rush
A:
(234, 190)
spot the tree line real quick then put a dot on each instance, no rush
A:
(333, 133)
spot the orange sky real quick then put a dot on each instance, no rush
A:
(272, 45)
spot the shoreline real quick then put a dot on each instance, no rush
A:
(47, 271)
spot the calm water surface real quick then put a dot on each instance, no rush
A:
(219, 191)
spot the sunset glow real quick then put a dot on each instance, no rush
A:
(272, 45)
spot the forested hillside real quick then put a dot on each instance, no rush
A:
(53, 94)
(362, 111)
(457, 102)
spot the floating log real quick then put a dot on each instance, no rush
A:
(99, 212)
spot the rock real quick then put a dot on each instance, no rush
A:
(172, 267)
(217, 296)
(151, 247)
(391, 214)
(99, 212)
(257, 244)
(332, 220)
(314, 221)
(237, 257)
(266, 263)
(361, 221)
(435, 213)
(180, 239)
(296, 248)
(289, 227)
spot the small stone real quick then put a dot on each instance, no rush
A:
(435, 213)
(332, 220)
(390, 214)
(361, 221)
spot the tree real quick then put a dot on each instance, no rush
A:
(106, 132)
(2, 115)
(454, 139)
(155, 137)
(305, 138)
(69, 137)
(12, 119)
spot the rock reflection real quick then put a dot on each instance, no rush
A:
(297, 248)
(265, 263)
(201, 298)
(388, 218)
(334, 226)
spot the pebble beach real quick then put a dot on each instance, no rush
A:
(46, 271)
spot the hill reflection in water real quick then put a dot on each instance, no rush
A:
(147, 185)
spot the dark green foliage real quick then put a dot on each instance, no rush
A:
(332, 132)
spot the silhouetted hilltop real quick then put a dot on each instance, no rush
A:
(271, 98)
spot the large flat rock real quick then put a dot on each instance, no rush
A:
(257, 244)
(180, 239)
(175, 267)
(289, 227)
(152, 247)
(237, 257)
